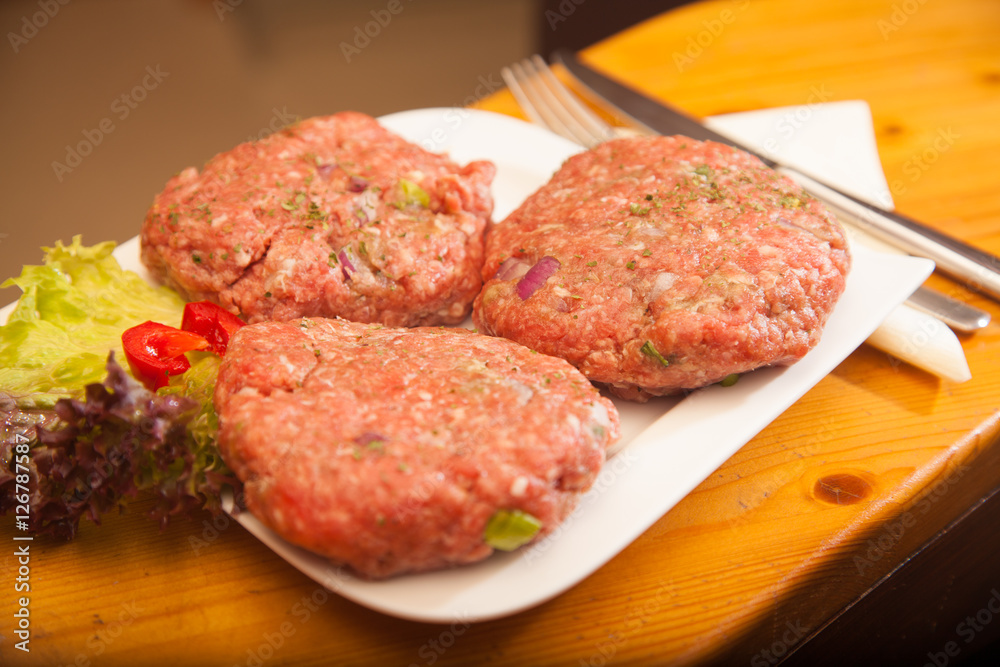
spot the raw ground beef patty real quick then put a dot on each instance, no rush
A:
(331, 216)
(389, 450)
(659, 264)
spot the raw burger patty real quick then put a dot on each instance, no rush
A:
(389, 449)
(331, 216)
(660, 264)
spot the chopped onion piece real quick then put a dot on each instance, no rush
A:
(537, 275)
(324, 170)
(365, 210)
(369, 437)
(661, 284)
(357, 184)
(345, 265)
(511, 269)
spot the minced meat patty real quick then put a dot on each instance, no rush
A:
(331, 216)
(389, 450)
(659, 264)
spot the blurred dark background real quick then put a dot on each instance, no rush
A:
(103, 100)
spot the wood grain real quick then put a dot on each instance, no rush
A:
(828, 499)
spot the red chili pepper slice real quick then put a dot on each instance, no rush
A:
(212, 322)
(156, 351)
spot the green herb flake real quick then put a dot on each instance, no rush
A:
(313, 212)
(650, 351)
(730, 380)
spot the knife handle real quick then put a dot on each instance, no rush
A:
(974, 268)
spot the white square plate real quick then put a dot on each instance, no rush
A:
(668, 445)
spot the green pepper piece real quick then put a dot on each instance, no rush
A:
(509, 529)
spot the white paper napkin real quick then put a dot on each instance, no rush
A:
(835, 142)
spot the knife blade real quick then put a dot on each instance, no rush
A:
(973, 267)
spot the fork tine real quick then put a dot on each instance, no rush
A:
(514, 85)
(590, 122)
(523, 83)
(547, 102)
(546, 97)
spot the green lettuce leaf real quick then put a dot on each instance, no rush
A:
(88, 435)
(72, 312)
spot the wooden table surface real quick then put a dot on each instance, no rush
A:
(829, 498)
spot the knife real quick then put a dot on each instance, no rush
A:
(971, 266)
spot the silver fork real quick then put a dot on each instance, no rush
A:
(549, 103)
